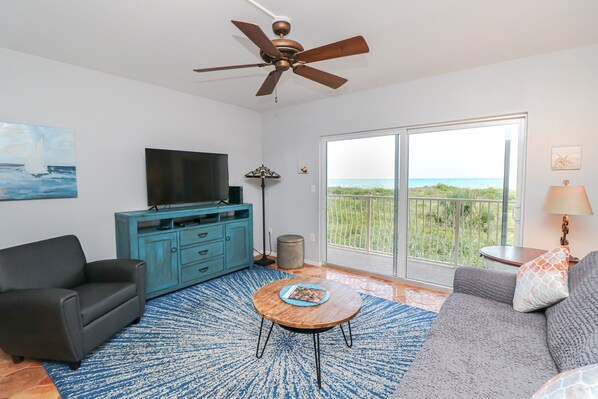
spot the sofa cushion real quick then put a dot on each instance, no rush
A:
(97, 299)
(542, 282)
(478, 348)
(573, 322)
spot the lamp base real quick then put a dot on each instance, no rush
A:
(264, 261)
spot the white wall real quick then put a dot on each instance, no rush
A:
(114, 119)
(559, 91)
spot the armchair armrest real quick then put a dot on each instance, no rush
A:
(119, 270)
(489, 284)
(42, 323)
(114, 270)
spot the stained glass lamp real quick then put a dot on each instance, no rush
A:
(263, 173)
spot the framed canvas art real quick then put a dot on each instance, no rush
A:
(566, 158)
(36, 162)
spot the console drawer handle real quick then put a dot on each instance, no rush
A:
(173, 250)
(202, 235)
(227, 238)
(205, 251)
(205, 269)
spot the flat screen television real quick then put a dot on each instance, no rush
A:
(184, 177)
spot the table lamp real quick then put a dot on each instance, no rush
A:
(567, 200)
(263, 173)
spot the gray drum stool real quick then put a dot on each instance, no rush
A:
(290, 251)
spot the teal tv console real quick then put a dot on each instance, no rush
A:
(187, 245)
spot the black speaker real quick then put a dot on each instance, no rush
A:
(235, 195)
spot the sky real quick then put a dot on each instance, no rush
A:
(17, 142)
(464, 153)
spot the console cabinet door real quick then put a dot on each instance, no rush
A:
(238, 248)
(160, 252)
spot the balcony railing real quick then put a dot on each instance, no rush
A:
(441, 230)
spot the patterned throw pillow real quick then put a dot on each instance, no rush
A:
(542, 282)
(581, 383)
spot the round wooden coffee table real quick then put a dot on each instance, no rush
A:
(343, 305)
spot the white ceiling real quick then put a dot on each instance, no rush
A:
(161, 41)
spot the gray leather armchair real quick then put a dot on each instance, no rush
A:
(56, 306)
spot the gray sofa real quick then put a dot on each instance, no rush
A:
(479, 347)
(55, 305)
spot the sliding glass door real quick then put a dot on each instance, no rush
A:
(418, 202)
(463, 193)
(360, 198)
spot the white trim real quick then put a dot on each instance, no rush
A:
(305, 261)
(322, 196)
(402, 208)
(392, 129)
(521, 173)
(361, 135)
(497, 120)
(312, 263)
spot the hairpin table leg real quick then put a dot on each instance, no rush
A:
(257, 350)
(350, 335)
(316, 338)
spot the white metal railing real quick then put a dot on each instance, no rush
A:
(442, 230)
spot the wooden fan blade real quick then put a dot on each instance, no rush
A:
(222, 68)
(258, 37)
(269, 84)
(344, 48)
(325, 78)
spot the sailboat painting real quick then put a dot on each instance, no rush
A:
(36, 162)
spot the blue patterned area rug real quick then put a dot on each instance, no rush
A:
(200, 343)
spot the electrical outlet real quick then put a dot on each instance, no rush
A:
(312, 237)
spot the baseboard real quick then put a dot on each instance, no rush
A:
(275, 255)
(312, 263)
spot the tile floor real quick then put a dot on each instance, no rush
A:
(28, 380)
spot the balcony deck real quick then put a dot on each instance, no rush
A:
(424, 271)
(443, 233)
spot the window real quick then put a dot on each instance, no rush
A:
(418, 202)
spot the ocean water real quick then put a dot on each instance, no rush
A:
(17, 184)
(389, 183)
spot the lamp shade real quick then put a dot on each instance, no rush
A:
(262, 172)
(567, 200)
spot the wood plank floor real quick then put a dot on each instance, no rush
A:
(28, 380)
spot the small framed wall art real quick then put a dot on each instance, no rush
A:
(566, 157)
(302, 167)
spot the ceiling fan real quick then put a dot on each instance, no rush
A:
(284, 54)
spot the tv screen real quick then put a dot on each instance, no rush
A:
(182, 177)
